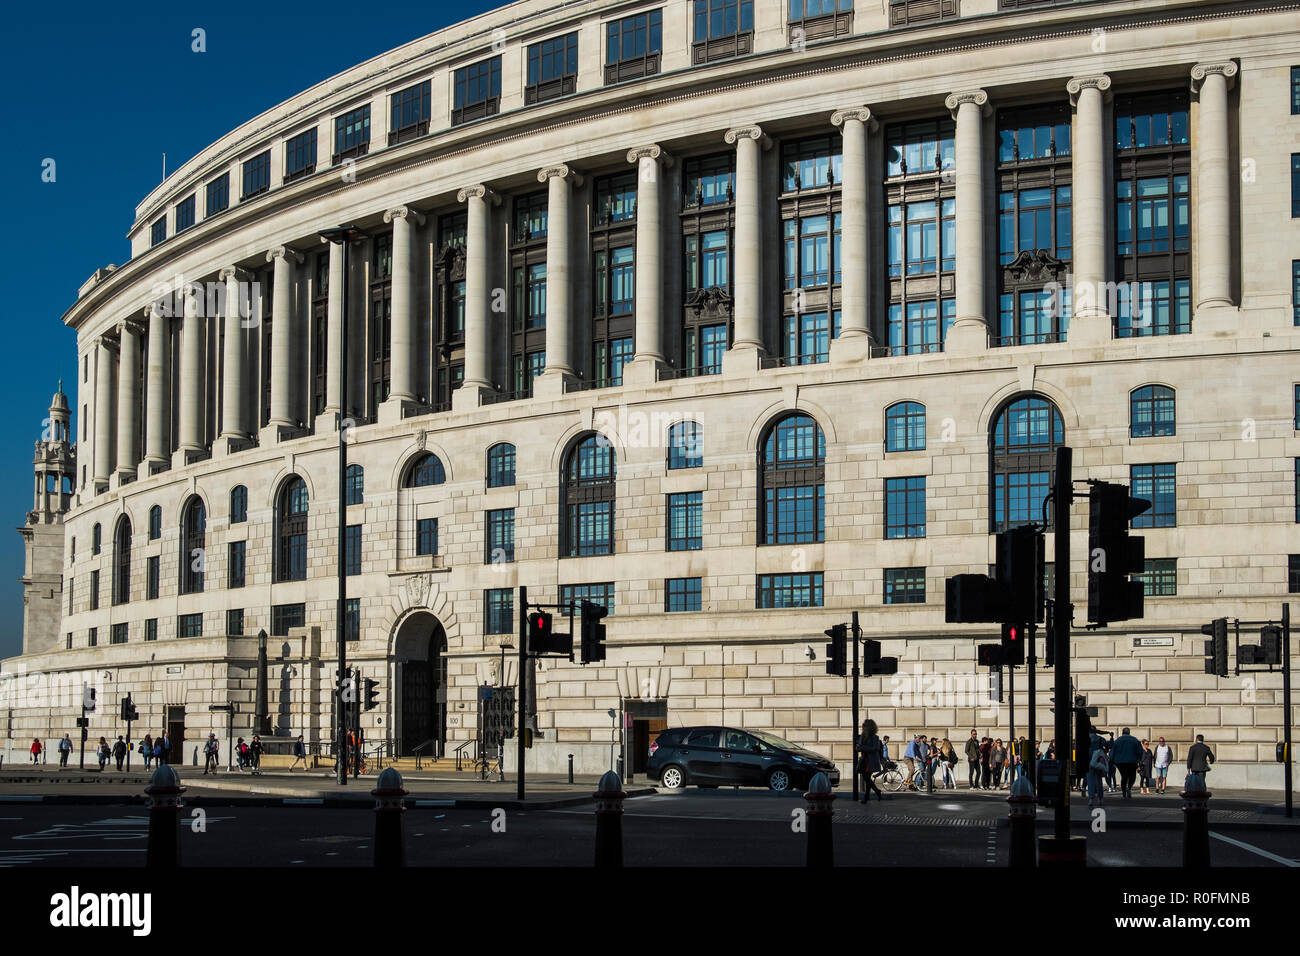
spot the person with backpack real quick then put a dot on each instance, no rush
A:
(160, 750)
(65, 750)
(1097, 766)
(211, 750)
(299, 753)
(146, 750)
(119, 752)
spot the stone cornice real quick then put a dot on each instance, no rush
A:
(560, 171)
(980, 98)
(406, 213)
(1225, 68)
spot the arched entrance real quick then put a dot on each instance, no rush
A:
(420, 679)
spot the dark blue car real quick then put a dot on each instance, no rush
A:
(726, 757)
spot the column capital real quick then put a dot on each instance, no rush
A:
(284, 252)
(747, 132)
(1099, 82)
(1226, 68)
(108, 340)
(478, 191)
(132, 325)
(979, 97)
(238, 273)
(559, 171)
(154, 310)
(860, 113)
(404, 212)
(653, 151)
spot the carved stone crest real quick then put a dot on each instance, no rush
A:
(711, 301)
(416, 590)
(1035, 265)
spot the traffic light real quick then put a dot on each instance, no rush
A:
(1113, 554)
(974, 599)
(539, 632)
(1270, 641)
(1216, 648)
(873, 663)
(989, 655)
(995, 682)
(837, 651)
(128, 710)
(372, 693)
(1020, 572)
(88, 698)
(1013, 644)
(593, 632)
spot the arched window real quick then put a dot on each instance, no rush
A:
(685, 445)
(588, 505)
(1022, 456)
(122, 561)
(355, 491)
(155, 523)
(1151, 411)
(905, 427)
(793, 476)
(501, 465)
(424, 471)
(238, 504)
(194, 525)
(95, 536)
(291, 517)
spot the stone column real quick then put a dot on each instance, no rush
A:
(855, 321)
(234, 423)
(105, 413)
(1212, 191)
(560, 180)
(285, 340)
(128, 398)
(157, 437)
(747, 296)
(334, 331)
(192, 370)
(405, 340)
(649, 253)
(1091, 322)
(478, 317)
(970, 330)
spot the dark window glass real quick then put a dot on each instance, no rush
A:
(789, 590)
(193, 548)
(501, 465)
(185, 213)
(905, 427)
(151, 629)
(616, 199)
(1295, 90)
(600, 594)
(685, 445)
(905, 507)
(352, 560)
(218, 197)
(292, 517)
(1156, 483)
(1151, 411)
(158, 231)
(1023, 442)
(238, 504)
(685, 521)
(155, 523)
(499, 536)
(122, 562)
(94, 590)
(92, 638)
(589, 489)
(1160, 577)
(257, 175)
(633, 46)
(681, 594)
(793, 475)
(235, 622)
(352, 620)
(1295, 291)
(151, 578)
(1293, 574)
(499, 611)
(285, 616)
(549, 61)
(410, 109)
(96, 539)
(426, 536)
(425, 471)
(236, 564)
(1295, 185)
(356, 485)
(904, 585)
(189, 625)
(352, 132)
(476, 91)
(704, 737)
(722, 18)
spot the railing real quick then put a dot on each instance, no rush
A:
(405, 133)
(922, 348)
(418, 756)
(297, 174)
(460, 753)
(691, 371)
(361, 149)
(493, 398)
(816, 358)
(1038, 338)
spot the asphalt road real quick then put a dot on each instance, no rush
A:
(694, 828)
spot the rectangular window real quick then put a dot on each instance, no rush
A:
(685, 521)
(300, 155)
(1293, 574)
(353, 557)
(218, 197)
(355, 486)
(501, 466)
(1156, 484)
(1295, 91)
(591, 528)
(681, 594)
(723, 29)
(705, 346)
(92, 638)
(499, 611)
(808, 337)
(151, 578)
(185, 213)
(235, 622)
(158, 231)
(789, 590)
(1295, 291)
(189, 625)
(118, 634)
(633, 46)
(257, 175)
(410, 113)
(530, 217)
(236, 565)
(904, 585)
(151, 629)
(600, 594)
(476, 91)
(794, 514)
(499, 536)
(352, 134)
(1160, 577)
(1295, 185)
(352, 620)
(905, 507)
(615, 199)
(94, 590)
(426, 536)
(285, 616)
(552, 69)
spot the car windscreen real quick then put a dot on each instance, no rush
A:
(772, 740)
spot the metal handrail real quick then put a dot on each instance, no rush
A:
(460, 757)
(416, 750)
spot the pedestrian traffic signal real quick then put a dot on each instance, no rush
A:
(1013, 644)
(873, 663)
(989, 655)
(372, 693)
(974, 599)
(1216, 648)
(1114, 554)
(128, 710)
(539, 631)
(1020, 572)
(995, 682)
(593, 632)
(1270, 642)
(837, 651)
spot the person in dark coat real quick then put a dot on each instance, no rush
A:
(1199, 758)
(1145, 765)
(869, 763)
(119, 751)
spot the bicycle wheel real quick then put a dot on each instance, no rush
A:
(891, 780)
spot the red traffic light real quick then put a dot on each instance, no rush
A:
(1013, 634)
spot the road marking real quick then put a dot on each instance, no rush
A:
(303, 801)
(435, 803)
(1254, 849)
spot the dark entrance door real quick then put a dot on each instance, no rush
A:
(418, 706)
(649, 717)
(176, 734)
(421, 670)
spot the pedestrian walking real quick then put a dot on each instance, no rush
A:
(986, 755)
(255, 754)
(1111, 786)
(1164, 757)
(998, 761)
(973, 759)
(159, 751)
(1125, 755)
(65, 750)
(299, 753)
(1145, 763)
(119, 751)
(242, 759)
(870, 763)
(211, 750)
(37, 749)
(1199, 758)
(884, 749)
(146, 749)
(104, 752)
(1097, 765)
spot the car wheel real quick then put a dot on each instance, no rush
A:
(778, 781)
(673, 778)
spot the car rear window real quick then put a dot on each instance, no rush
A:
(703, 737)
(671, 738)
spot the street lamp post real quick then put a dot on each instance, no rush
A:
(344, 236)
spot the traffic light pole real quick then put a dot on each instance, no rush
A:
(1063, 495)
(85, 728)
(128, 733)
(523, 687)
(1286, 699)
(1011, 709)
(856, 728)
(1028, 759)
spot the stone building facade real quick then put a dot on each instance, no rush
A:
(735, 326)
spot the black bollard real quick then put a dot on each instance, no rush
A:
(1023, 812)
(821, 845)
(570, 768)
(1196, 823)
(163, 798)
(609, 821)
(390, 841)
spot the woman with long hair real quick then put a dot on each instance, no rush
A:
(947, 760)
(869, 762)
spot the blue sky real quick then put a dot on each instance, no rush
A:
(105, 90)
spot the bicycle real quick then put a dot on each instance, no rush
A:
(890, 778)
